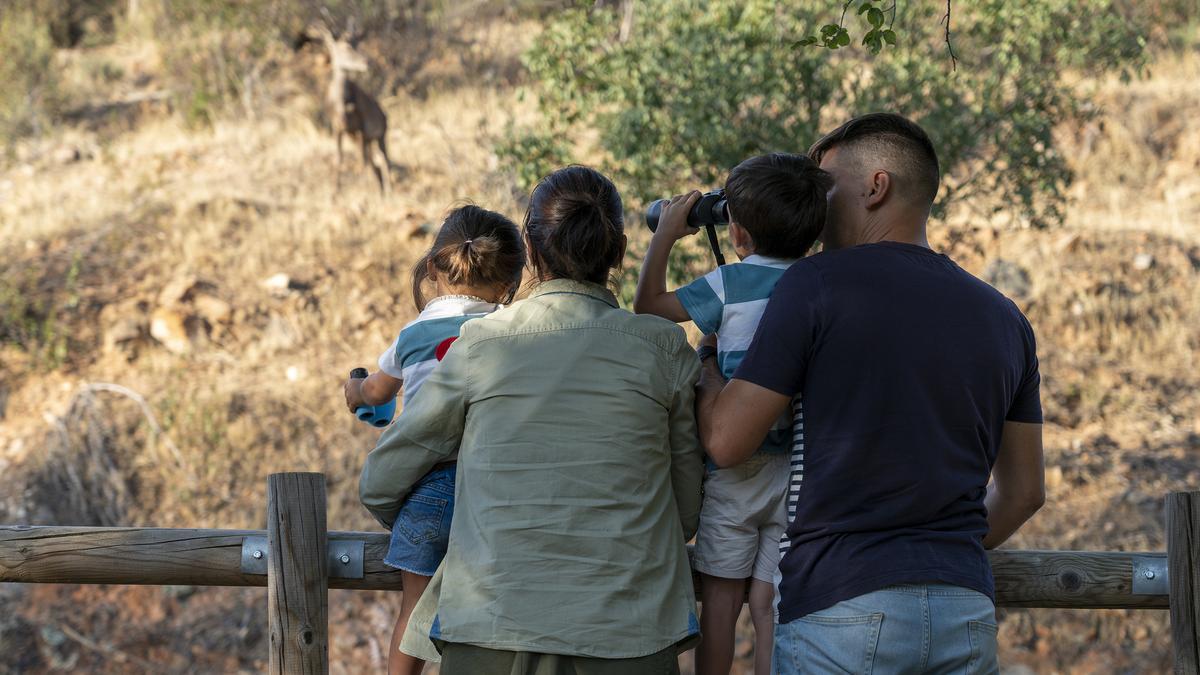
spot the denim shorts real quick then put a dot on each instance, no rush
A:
(422, 528)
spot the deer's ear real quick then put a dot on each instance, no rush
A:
(352, 34)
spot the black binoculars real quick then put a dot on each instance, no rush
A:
(711, 209)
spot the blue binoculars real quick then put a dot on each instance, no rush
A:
(376, 415)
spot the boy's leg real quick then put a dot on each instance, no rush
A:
(762, 613)
(721, 602)
(774, 479)
(400, 663)
(725, 553)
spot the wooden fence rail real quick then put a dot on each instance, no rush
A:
(159, 556)
(293, 560)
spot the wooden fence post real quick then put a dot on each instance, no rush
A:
(297, 574)
(1183, 573)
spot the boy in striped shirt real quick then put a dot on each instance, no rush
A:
(777, 206)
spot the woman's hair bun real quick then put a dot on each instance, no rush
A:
(575, 225)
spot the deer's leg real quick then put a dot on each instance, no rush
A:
(369, 159)
(339, 162)
(387, 163)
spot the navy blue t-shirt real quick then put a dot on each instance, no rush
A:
(907, 368)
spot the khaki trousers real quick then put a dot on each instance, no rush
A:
(463, 659)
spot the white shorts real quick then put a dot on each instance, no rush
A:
(742, 518)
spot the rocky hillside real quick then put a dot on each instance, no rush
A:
(179, 303)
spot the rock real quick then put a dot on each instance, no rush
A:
(177, 290)
(170, 328)
(123, 330)
(125, 323)
(66, 154)
(212, 308)
(1067, 243)
(1009, 278)
(1143, 262)
(1054, 477)
(277, 283)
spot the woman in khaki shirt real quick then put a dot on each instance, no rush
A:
(579, 467)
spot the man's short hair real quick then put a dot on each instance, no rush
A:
(781, 200)
(898, 144)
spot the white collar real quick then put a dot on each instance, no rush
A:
(764, 261)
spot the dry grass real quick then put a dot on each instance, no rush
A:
(96, 240)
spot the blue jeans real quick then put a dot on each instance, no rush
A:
(422, 528)
(926, 628)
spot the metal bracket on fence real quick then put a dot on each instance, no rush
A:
(1150, 576)
(345, 557)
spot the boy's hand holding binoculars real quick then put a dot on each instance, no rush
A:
(673, 221)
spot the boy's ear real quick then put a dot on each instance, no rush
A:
(740, 236)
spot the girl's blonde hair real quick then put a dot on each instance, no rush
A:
(474, 247)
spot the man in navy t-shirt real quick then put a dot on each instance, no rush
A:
(914, 382)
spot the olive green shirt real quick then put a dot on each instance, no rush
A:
(578, 479)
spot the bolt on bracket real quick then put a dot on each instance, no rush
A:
(345, 557)
(1150, 576)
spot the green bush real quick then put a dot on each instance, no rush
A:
(75, 22)
(699, 85)
(217, 53)
(29, 98)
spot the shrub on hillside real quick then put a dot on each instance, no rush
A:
(698, 85)
(75, 22)
(224, 55)
(29, 97)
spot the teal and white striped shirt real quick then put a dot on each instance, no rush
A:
(729, 301)
(413, 355)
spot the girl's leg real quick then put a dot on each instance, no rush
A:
(721, 602)
(762, 613)
(400, 663)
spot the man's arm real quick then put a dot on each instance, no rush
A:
(734, 417)
(652, 296)
(1018, 486)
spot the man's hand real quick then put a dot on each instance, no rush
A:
(672, 221)
(733, 417)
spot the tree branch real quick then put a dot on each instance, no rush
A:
(949, 47)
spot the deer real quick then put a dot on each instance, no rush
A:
(351, 110)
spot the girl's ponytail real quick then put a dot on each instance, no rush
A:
(475, 247)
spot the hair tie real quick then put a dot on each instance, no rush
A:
(468, 241)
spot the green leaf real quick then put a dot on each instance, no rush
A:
(875, 17)
(865, 6)
(889, 36)
(843, 38)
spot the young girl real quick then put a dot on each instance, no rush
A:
(474, 266)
